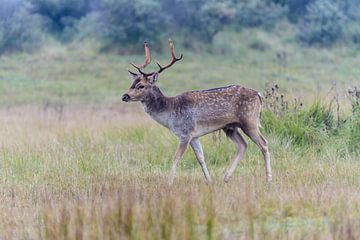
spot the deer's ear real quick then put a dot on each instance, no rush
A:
(132, 75)
(154, 78)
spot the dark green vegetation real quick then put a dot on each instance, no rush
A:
(314, 125)
(122, 25)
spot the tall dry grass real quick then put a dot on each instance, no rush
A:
(100, 172)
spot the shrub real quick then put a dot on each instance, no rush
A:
(303, 127)
(354, 134)
(313, 125)
(61, 16)
(132, 21)
(352, 32)
(288, 119)
(19, 29)
(212, 19)
(354, 122)
(322, 25)
(199, 19)
(296, 8)
(259, 13)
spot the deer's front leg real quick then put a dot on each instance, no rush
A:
(178, 155)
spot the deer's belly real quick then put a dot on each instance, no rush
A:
(203, 128)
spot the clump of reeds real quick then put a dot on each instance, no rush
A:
(315, 124)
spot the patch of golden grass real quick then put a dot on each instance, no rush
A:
(100, 172)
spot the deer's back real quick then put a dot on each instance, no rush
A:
(234, 99)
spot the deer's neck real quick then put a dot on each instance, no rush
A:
(157, 106)
(155, 101)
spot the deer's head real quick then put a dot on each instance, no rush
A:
(143, 83)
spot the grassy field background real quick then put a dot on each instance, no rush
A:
(78, 74)
(77, 163)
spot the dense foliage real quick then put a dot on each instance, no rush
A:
(119, 23)
(313, 125)
(19, 29)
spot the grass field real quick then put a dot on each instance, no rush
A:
(76, 163)
(74, 74)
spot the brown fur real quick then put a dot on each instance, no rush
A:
(193, 114)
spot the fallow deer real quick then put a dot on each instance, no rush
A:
(193, 114)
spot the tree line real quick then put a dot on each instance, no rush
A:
(26, 25)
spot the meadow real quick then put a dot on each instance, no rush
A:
(76, 163)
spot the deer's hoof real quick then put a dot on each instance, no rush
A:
(268, 178)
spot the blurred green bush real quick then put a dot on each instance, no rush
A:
(19, 29)
(123, 24)
(315, 125)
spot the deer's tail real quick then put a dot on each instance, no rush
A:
(261, 103)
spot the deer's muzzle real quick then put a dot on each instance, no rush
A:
(126, 97)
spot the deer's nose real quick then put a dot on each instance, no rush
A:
(126, 97)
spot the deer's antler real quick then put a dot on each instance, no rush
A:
(146, 61)
(174, 59)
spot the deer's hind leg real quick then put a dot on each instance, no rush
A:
(255, 135)
(196, 146)
(241, 145)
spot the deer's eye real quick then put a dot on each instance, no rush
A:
(140, 87)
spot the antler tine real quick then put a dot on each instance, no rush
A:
(174, 59)
(138, 68)
(147, 60)
(147, 55)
